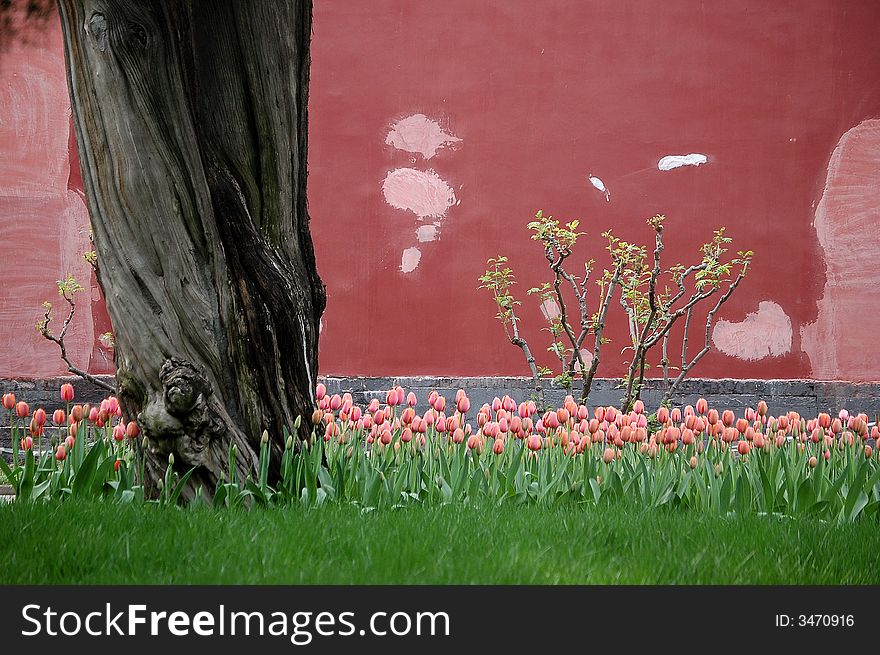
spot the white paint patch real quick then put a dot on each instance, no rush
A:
(550, 309)
(426, 233)
(587, 356)
(418, 133)
(599, 184)
(765, 333)
(424, 193)
(410, 260)
(669, 162)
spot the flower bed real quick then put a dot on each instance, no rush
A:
(399, 453)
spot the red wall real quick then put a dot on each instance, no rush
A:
(525, 99)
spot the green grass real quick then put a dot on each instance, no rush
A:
(104, 543)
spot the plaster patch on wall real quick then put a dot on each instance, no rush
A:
(410, 260)
(765, 333)
(600, 185)
(587, 356)
(840, 342)
(424, 193)
(426, 233)
(669, 162)
(550, 309)
(418, 133)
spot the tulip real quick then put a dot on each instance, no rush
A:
(837, 425)
(868, 452)
(843, 415)
(458, 436)
(67, 392)
(727, 418)
(610, 414)
(762, 408)
(639, 407)
(534, 443)
(609, 455)
(320, 391)
(473, 441)
(743, 447)
(94, 414)
(21, 409)
(440, 403)
(741, 425)
(379, 416)
(692, 462)
(463, 405)
(760, 441)
(40, 417)
(562, 415)
(712, 416)
(28, 443)
(58, 417)
(552, 420)
(60, 453)
(385, 437)
(750, 414)
(119, 432)
(702, 406)
(9, 401)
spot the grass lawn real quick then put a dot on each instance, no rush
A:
(84, 543)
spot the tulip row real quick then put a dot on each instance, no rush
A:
(390, 454)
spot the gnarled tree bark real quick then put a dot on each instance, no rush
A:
(191, 122)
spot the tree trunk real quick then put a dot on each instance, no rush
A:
(191, 122)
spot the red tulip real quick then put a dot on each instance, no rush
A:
(22, 409)
(9, 400)
(116, 465)
(28, 443)
(58, 417)
(60, 454)
(743, 447)
(119, 432)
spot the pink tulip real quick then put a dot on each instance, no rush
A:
(440, 403)
(534, 443)
(662, 415)
(119, 432)
(385, 437)
(458, 436)
(609, 455)
(9, 401)
(498, 446)
(463, 404)
(27, 443)
(432, 398)
(702, 406)
(21, 409)
(60, 454)
(67, 392)
(411, 399)
(40, 417)
(639, 407)
(320, 391)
